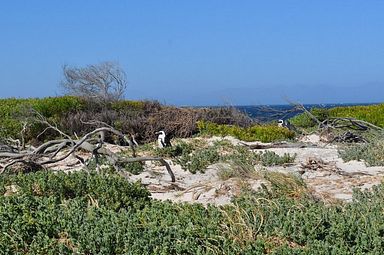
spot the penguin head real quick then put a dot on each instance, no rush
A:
(162, 133)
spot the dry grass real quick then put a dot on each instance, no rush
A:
(243, 226)
(288, 185)
(275, 242)
(237, 170)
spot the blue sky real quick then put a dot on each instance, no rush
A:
(200, 52)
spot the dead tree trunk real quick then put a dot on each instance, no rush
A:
(57, 150)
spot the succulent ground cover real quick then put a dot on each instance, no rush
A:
(263, 133)
(197, 155)
(82, 213)
(371, 153)
(100, 212)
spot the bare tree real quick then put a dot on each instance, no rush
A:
(102, 82)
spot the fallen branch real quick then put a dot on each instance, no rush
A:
(351, 123)
(278, 145)
(331, 124)
(49, 152)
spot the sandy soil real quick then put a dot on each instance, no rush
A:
(326, 175)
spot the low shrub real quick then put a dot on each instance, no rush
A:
(371, 113)
(263, 133)
(142, 118)
(134, 167)
(270, 158)
(371, 153)
(304, 120)
(225, 116)
(105, 189)
(81, 216)
(179, 149)
(13, 113)
(199, 160)
(106, 167)
(265, 158)
(124, 105)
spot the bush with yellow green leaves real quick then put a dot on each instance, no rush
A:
(263, 133)
(373, 114)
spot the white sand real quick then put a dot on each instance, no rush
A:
(208, 188)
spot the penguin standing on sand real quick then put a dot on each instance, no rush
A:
(163, 140)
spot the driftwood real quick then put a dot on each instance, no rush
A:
(57, 150)
(317, 164)
(278, 145)
(355, 128)
(301, 107)
(350, 123)
(349, 137)
(329, 125)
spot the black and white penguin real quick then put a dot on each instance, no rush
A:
(280, 123)
(286, 124)
(163, 140)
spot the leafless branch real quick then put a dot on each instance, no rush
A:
(48, 153)
(101, 82)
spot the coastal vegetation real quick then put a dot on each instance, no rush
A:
(196, 157)
(263, 133)
(82, 213)
(373, 114)
(98, 211)
(357, 129)
(371, 153)
(73, 115)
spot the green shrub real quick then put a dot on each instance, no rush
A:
(303, 120)
(134, 167)
(57, 106)
(265, 158)
(371, 113)
(181, 148)
(242, 155)
(142, 118)
(270, 158)
(199, 160)
(126, 105)
(12, 113)
(321, 113)
(371, 153)
(57, 213)
(263, 133)
(106, 189)
(131, 167)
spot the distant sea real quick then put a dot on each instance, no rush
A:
(266, 113)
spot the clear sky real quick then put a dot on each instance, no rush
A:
(200, 52)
